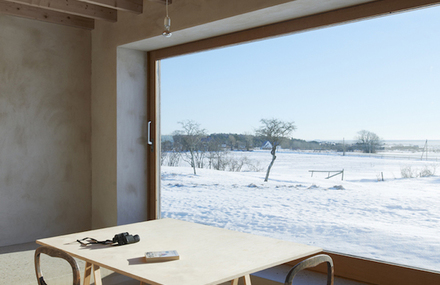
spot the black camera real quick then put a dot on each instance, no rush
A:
(125, 238)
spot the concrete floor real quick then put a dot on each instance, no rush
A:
(17, 268)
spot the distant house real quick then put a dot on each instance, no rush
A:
(267, 145)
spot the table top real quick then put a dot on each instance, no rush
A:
(208, 255)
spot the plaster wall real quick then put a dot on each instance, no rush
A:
(132, 136)
(45, 130)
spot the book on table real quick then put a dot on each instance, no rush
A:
(164, 255)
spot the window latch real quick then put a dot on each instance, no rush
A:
(149, 134)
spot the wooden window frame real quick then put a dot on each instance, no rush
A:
(346, 266)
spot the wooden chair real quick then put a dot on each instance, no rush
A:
(312, 262)
(53, 252)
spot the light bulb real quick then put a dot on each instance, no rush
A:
(167, 24)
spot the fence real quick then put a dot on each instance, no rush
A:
(337, 172)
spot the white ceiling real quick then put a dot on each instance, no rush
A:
(279, 13)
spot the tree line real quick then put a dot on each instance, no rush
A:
(199, 149)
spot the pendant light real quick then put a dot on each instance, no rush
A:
(167, 23)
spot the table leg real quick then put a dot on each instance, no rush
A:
(87, 273)
(97, 274)
(247, 280)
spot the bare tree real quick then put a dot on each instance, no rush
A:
(217, 156)
(166, 147)
(232, 141)
(368, 141)
(274, 131)
(193, 148)
(249, 141)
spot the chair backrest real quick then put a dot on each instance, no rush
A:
(53, 252)
(312, 262)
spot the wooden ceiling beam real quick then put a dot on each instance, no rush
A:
(163, 1)
(45, 15)
(75, 13)
(135, 6)
(72, 7)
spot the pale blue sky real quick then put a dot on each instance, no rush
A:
(382, 75)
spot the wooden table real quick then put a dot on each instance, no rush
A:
(208, 255)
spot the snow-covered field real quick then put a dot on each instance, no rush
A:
(395, 220)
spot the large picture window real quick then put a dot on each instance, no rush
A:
(342, 122)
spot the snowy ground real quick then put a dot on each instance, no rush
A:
(396, 220)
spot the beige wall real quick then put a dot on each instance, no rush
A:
(45, 156)
(131, 136)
